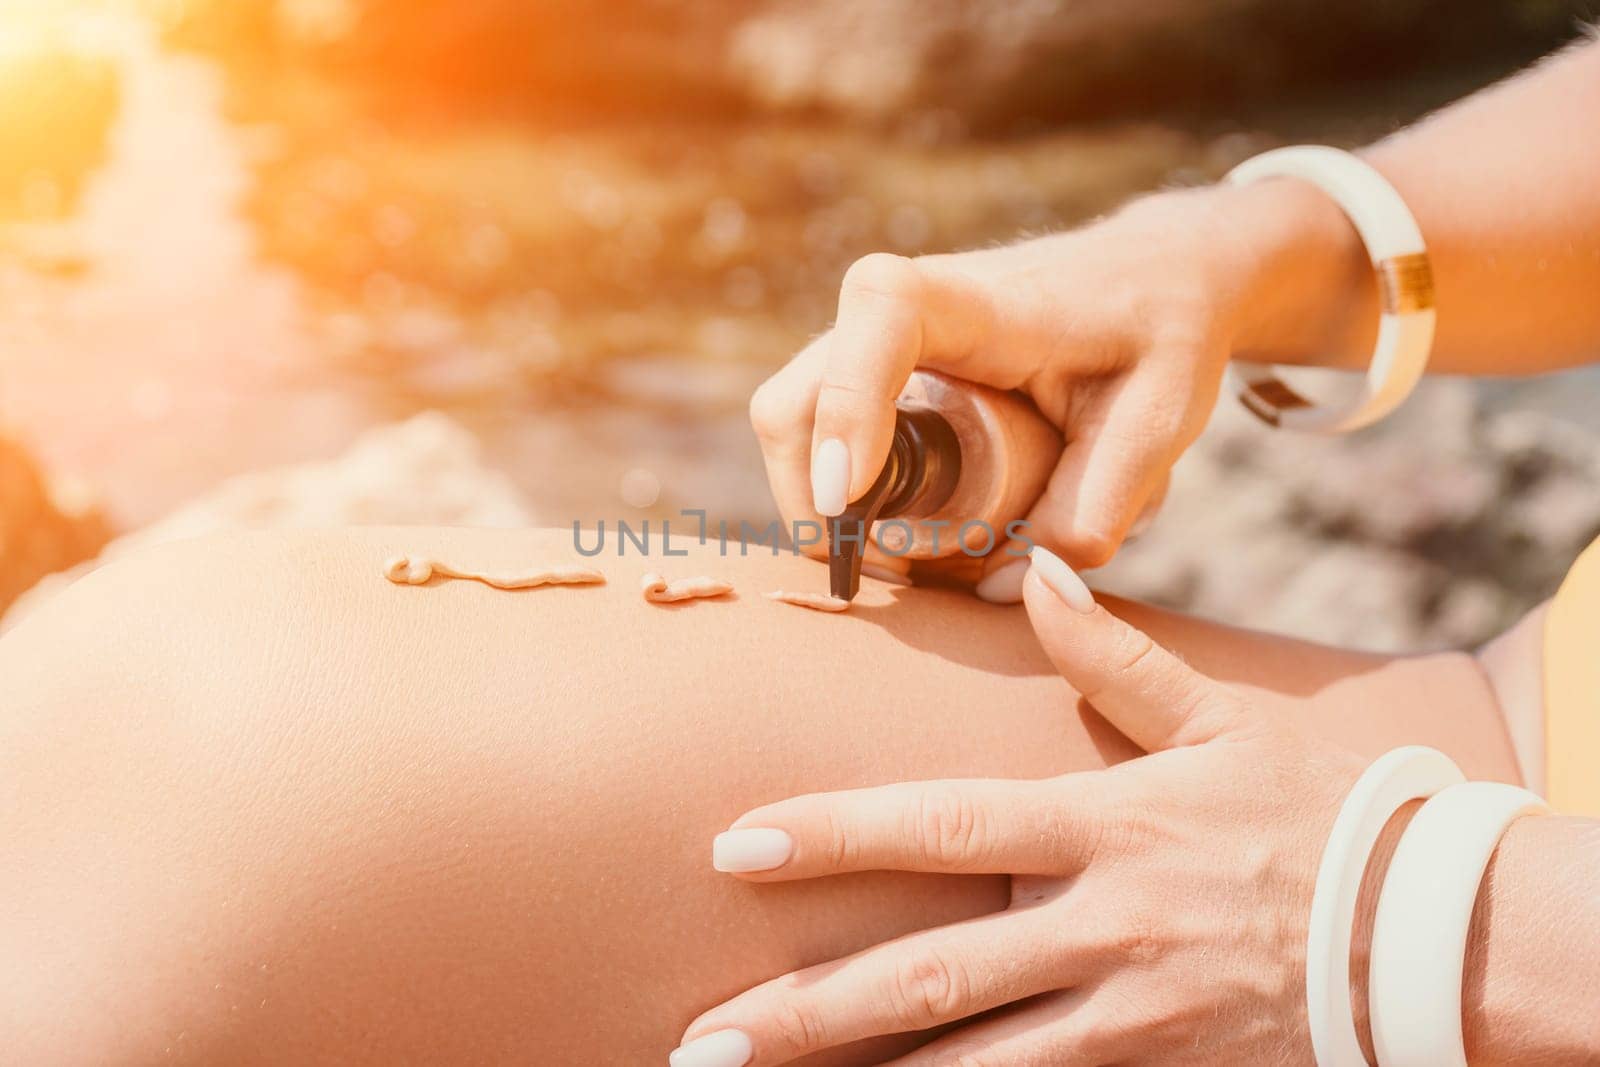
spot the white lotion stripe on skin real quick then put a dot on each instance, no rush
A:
(758, 848)
(403, 570)
(658, 590)
(1061, 579)
(830, 476)
(814, 601)
(725, 1048)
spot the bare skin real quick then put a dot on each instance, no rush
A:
(1160, 910)
(258, 807)
(1514, 235)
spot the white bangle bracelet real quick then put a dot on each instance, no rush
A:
(1405, 283)
(1393, 780)
(1419, 938)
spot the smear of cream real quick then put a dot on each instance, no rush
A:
(814, 601)
(658, 590)
(403, 570)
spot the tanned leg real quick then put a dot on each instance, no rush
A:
(260, 805)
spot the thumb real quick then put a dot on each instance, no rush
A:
(1142, 689)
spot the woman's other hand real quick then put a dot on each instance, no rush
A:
(1159, 908)
(1119, 333)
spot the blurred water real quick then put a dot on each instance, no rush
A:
(177, 356)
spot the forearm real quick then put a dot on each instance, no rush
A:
(1502, 185)
(1533, 958)
(1528, 988)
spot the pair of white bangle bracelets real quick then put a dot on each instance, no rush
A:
(1405, 287)
(1419, 938)
(1393, 781)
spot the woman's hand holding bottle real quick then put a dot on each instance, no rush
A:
(1118, 332)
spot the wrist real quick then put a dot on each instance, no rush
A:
(1532, 968)
(1307, 292)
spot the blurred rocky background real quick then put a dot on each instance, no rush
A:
(312, 262)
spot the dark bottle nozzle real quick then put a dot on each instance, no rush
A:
(847, 532)
(919, 477)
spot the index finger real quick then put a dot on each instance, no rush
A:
(956, 826)
(781, 413)
(893, 317)
(1142, 689)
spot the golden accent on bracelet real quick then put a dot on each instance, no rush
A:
(1405, 283)
(1265, 399)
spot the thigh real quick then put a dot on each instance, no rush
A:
(264, 806)
(261, 805)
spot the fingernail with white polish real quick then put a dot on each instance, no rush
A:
(758, 849)
(1062, 579)
(884, 574)
(830, 476)
(725, 1048)
(1004, 586)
